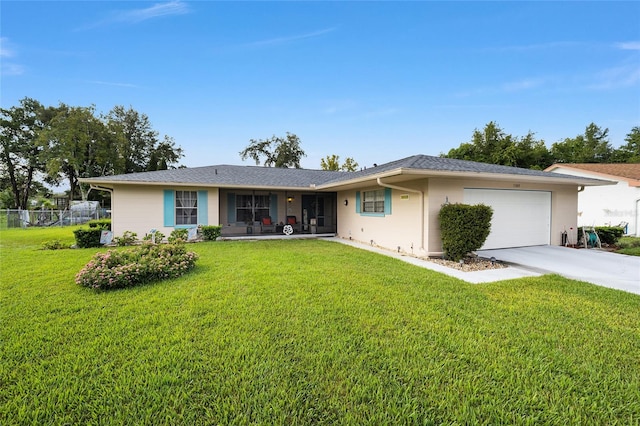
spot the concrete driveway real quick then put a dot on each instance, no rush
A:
(595, 266)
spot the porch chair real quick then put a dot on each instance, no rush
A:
(293, 221)
(267, 225)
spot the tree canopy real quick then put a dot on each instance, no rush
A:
(66, 143)
(332, 162)
(492, 145)
(20, 156)
(275, 151)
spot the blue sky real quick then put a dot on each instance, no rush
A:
(376, 81)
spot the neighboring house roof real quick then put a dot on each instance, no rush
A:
(629, 172)
(230, 176)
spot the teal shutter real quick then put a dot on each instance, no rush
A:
(358, 206)
(203, 208)
(169, 207)
(273, 208)
(231, 207)
(387, 201)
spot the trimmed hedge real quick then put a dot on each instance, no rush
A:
(100, 223)
(464, 228)
(86, 238)
(608, 234)
(211, 232)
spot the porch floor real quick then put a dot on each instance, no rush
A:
(275, 236)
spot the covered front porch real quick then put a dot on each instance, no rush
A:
(247, 212)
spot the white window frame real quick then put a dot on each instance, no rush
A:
(373, 201)
(186, 207)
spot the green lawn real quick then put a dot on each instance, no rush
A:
(308, 332)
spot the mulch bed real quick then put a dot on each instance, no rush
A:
(469, 264)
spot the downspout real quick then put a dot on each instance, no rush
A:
(415, 191)
(636, 230)
(102, 188)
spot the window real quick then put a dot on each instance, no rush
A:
(373, 201)
(252, 208)
(186, 207)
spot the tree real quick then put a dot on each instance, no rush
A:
(630, 152)
(332, 162)
(492, 145)
(137, 143)
(592, 147)
(164, 155)
(20, 157)
(78, 146)
(276, 151)
(349, 165)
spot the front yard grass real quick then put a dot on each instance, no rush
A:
(307, 332)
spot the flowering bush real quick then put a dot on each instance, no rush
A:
(156, 236)
(127, 268)
(178, 235)
(128, 238)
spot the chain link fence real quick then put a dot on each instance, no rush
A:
(76, 216)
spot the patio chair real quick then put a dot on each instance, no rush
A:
(293, 221)
(267, 225)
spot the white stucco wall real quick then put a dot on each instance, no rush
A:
(139, 209)
(400, 231)
(564, 202)
(607, 205)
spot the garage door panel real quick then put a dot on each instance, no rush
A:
(520, 218)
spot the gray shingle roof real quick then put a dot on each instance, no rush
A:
(228, 175)
(256, 176)
(439, 164)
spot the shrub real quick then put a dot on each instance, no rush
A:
(143, 264)
(86, 238)
(104, 224)
(464, 228)
(178, 235)
(53, 245)
(128, 238)
(159, 236)
(629, 242)
(607, 234)
(211, 232)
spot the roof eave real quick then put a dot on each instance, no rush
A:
(564, 180)
(111, 183)
(608, 176)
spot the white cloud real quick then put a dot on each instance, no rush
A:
(616, 77)
(8, 68)
(11, 69)
(537, 46)
(135, 16)
(629, 45)
(526, 84)
(111, 83)
(155, 11)
(5, 52)
(283, 40)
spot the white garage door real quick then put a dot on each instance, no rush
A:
(520, 218)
